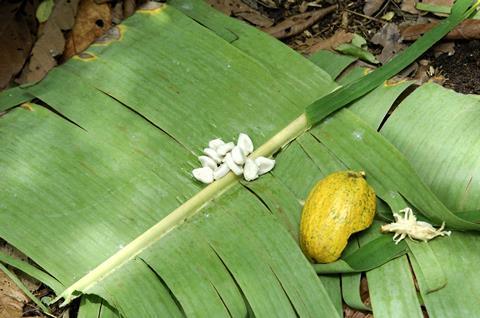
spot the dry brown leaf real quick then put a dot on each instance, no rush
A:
(389, 38)
(255, 18)
(50, 42)
(92, 21)
(303, 7)
(413, 32)
(239, 9)
(128, 8)
(117, 13)
(372, 6)
(340, 37)
(64, 13)
(409, 6)
(12, 299)
(409, 71)
(16, 36)
(352, 313)
(296, 24)
(467, 30)
(444, 48)
(422, 76)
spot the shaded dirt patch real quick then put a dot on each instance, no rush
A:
(461, 70)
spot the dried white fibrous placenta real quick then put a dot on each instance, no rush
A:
(407, 225)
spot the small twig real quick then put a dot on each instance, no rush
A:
(365, 16)
(314, 5)
(382, 10)
(325, 29)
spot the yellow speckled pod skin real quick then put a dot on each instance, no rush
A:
(338, 206)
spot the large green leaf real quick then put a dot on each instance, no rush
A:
(122, 163)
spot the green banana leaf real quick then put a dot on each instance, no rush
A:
(88, 190)
(130, 167)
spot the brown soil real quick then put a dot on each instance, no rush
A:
(462, 70)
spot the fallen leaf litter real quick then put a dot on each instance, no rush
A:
(220, 158)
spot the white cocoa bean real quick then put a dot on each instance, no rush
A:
(215, 143)
(221, 171)
(212, 154)
(224, 149)
(264, 165)
(245, 143)
(250, 170)
(204, 174)
(238, 155)
(232, 165)
(207, 162)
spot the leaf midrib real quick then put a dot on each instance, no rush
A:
(179, 215)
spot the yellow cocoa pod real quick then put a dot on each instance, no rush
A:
(338, 206)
